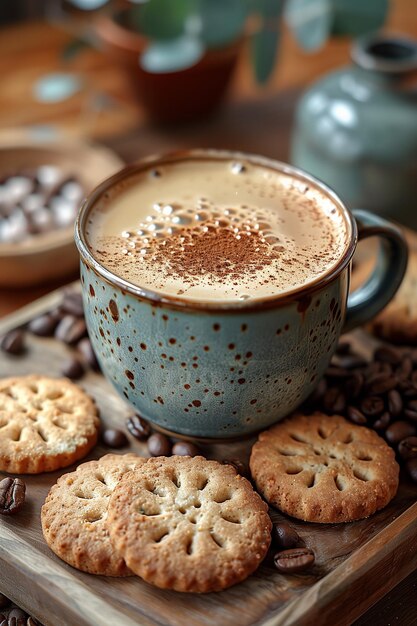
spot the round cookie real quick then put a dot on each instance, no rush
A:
(321, 468)
(398, 321)
(74, 513)
(45, 423)
(189, 524)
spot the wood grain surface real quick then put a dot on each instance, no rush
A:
(356, 564)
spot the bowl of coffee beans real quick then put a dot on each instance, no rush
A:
(41, 189)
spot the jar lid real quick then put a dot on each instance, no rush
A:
(389, 54)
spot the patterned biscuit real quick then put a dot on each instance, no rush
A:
(324, 469)
(74, 513)
(45, 423)
(398, 321)
(188, 524)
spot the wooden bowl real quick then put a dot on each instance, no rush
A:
(50, 255)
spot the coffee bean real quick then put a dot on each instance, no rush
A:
(398, 431)
(405, 369)
(395, 403)
(114, 438)
(138, 427)
(330, 398)
(14, 342)
(382, 383)
(411, 415)
(372, 406)
(14, 621)
(382, 422)
(294, 560)
(356, 416)
(407, 448)
(72, 303)
(86, 349)
(71, 329)
(185, 448)
(387, 354)
(237, 465)
(4, 601)
(354, 385)
(44, 326)
(12, 495)
(18, 614)
(337, 372)
(412, 405)
(72, 368)
(159, 445)
(340, 403)
(411, 467)
(32, 622)
(410, 392)
(285, 536)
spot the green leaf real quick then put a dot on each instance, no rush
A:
(222, 21)
(310, 21)
(171, 56)
(264, 52)
(161, 19)
(358, 17)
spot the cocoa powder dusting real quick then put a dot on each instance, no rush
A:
(220, 252)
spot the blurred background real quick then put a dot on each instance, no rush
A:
(88, 85)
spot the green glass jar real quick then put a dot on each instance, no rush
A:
(356, 129)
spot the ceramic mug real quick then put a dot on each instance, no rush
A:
(223, 370)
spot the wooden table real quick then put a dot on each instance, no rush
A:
(252, 119)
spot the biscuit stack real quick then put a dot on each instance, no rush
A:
(180, 523)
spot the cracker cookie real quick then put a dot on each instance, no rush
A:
(189, 524)
(74, 513)
(398, 321)
(45, 423)
(324, 469)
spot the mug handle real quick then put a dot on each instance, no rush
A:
(369, 299)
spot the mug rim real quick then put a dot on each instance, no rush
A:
(178, 302)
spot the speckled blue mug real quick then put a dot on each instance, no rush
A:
(216, 370)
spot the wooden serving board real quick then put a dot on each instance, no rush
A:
(356, 563)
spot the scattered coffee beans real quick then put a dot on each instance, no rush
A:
(380, 394)
(407, 448)
(138, 427)
(86, 350)
(72, 368)
(12, 495)
(13, 342)
(71, 329)
(14, 621)
(44, 326)
(185, 448)
(294, 560)
(18, 614)
(159, 445)
(114, 438)
(285, 536)
(72, 303)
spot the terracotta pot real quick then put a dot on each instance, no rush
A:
(169, 96)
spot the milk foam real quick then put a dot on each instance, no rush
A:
(216, 230)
